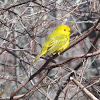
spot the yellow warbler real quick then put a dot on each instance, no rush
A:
(57, 41)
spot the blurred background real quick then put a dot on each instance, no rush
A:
(24, 27)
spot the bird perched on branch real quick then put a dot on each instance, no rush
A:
(57, 41)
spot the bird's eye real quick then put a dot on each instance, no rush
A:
(64, 29)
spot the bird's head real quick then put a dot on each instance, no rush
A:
(64, 29)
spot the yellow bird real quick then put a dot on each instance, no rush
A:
(57, 41)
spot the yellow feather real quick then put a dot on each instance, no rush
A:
(57, 41)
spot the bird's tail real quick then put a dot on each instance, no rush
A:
(37, 57)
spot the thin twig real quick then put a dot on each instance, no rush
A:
(88, 93)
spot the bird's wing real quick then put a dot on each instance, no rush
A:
(56, 43)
